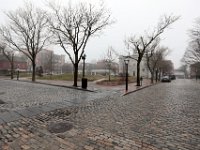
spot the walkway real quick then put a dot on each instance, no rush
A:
(92, 86)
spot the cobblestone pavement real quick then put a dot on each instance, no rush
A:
(165, 116)
(19, 95)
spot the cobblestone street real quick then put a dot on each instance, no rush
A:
(165, 116)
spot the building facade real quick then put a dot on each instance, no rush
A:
(132, 66)
(50, 62)
(5, 65)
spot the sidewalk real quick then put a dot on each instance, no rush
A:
(93, 87)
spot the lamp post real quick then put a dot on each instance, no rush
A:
(84, 80)
(18, 72)
(83, 57)
(126, 61)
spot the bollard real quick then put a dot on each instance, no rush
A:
(18, 75)
(141, 80)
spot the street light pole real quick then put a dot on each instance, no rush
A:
(126, 61)
(18, 72)
(84, 80)
(84, 57)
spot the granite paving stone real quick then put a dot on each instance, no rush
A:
(1, 121)
(162, 117)
(25, 112)
(9, 116)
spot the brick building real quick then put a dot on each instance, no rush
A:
(5, 66)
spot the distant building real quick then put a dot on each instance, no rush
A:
(132, 66)
(19, 63)
(101, 67)
(179, 74)
(50, 62)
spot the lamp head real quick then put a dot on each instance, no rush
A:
(84, 56)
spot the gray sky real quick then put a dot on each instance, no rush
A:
(133, 17)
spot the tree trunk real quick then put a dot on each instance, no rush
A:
(34, 71)
(12, 70)
(75, 74)
(156, 75)
(152, 77)
(12, 67)
(159, 75)
(138, 73)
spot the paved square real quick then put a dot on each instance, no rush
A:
(162, 117)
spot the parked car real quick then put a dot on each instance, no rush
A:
(166, 79)
(173, 77)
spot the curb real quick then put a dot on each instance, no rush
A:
(65, 86)
(138, 89)
(70, 87)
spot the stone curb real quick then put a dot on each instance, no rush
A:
(138, 89)
(65, 86)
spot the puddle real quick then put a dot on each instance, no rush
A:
(59, 127)
(1, 102)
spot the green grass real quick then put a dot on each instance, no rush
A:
(117, 78)
(70, 77)
(116, 81)
(24, 74)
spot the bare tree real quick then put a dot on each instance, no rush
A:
(193, 69)
(195, 31)
(109, 59)
(154, 55)
(166, 66)
(141, 43)
(26, 32)
(192, 53)
(9, 54)
(47, 61)
(74, 26)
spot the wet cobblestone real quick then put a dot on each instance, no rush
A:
(161, 117)
(19, 95)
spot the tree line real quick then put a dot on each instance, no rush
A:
(30, 29)
(191, 56)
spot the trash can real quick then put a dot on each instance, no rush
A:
(84, 83)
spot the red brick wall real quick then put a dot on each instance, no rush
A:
(5, 65)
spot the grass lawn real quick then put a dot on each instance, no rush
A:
(115, 80)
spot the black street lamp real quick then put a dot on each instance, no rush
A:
(84, 80)
(126, 61)
(83, 57)
(18, 72)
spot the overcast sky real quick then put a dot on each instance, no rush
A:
(133, 17)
